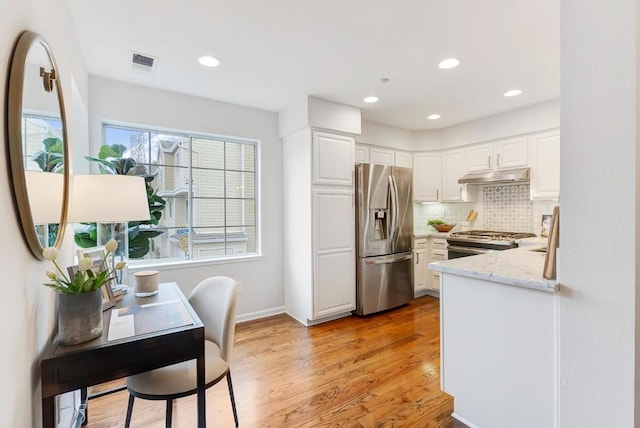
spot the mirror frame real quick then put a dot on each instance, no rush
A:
(25, 42)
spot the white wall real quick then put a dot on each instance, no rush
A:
(137, 105)
(597, 305)
(534, 118)
(383, 135)
(28, 316)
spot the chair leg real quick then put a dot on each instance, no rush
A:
(127, 421)
(233, 400)
(169, 413)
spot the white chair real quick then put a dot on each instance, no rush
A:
(214, 300)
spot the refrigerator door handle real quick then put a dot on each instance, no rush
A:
(393, 191)
(391, 259)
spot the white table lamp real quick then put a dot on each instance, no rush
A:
(107, 198)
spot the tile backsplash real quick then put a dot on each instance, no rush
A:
(500, 207)
(507, 208)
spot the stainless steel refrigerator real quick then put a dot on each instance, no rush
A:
(384, 228)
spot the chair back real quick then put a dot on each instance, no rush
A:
(214, 300)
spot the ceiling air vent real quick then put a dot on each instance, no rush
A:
(142, 62)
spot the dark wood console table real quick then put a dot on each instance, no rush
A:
(166, 330)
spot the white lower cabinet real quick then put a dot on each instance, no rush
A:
(334, 252)
(331, 293)
(438, 253)
(420, 261)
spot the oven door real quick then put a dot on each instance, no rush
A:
(455, 251)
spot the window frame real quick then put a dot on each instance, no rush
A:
(137, 264)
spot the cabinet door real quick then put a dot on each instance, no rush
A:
(479, 158)
(334, 289)
(512, 153)
(405, 160)
(332, 159)
(545, 165)
(381, 157)
(452, 170)
(420, 276)
(362, 154)
(435, 280)
(426, 177)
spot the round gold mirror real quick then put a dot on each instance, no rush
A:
(38, 143)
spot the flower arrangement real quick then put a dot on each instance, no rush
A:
(86, 279)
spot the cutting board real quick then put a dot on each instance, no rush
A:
(552, 245)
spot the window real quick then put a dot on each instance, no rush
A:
(207, 185)
(40, 134)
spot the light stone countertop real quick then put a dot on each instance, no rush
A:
(520, 267)
(430, 233)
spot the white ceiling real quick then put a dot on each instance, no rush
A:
(275, 51)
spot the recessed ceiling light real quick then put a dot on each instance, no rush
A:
(209, 61)
(512, 93)
(433, 117)
(449, 63)
(370, 100)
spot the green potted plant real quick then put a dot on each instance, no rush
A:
(80, 295)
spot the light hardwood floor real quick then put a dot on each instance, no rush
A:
(377, 371)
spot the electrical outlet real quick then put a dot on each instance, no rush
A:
(239, 286)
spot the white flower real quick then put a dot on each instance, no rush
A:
(120, 265)
(111, 245)
(50, 253)
(51, 275)
(84, 264)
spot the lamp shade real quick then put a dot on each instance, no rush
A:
(46, 196)
(106, 198)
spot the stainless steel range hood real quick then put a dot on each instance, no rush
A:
(496, 177)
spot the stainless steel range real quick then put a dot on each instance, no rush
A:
(473, 242)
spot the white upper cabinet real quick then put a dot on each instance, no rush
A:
(452, 170)
(381, 156)
(404, 160)
(544, 151)
(512, 153)
(479, 158)
(504, 154)
(427, 176)
(362, 154)
(332, 159)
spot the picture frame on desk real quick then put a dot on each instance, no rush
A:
(97, 254)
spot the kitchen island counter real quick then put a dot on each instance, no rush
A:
(520, 267)
(497, 341)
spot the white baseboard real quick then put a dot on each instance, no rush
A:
(260, 314)
(463, 420)
(281, 310)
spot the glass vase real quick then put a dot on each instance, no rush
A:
(79, 317)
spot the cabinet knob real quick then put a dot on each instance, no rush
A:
(489, 161)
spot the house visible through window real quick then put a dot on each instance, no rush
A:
(208, 185)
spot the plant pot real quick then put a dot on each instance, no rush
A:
(79, 317)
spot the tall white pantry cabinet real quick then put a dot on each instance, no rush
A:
(319, 243)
